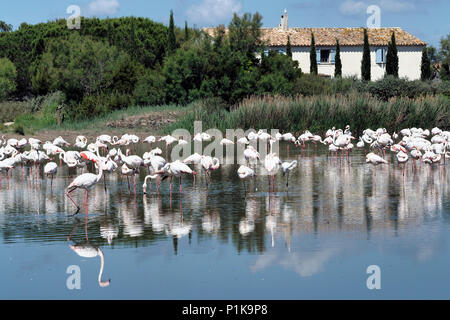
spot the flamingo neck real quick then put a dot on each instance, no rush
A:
(102, 263)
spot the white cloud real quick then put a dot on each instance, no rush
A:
(213, 11)
(103, 7)
(351, 8)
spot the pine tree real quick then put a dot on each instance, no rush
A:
(186, 31)
(312, 56)
(365, 63)
(288, 47)
(337, 61)
(171, 37)
(425, 67)
(392, 58)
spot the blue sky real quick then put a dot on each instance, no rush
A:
(426, 19)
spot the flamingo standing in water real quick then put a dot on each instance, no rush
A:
(209, 163)
(51, 168)
(168, 140)
(175, 169)
(85, 181)
(272, 164)
(244, 173)
(375, 160)
(287, 167)
(402, 157)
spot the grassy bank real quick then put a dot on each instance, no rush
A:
(319, 113)
(33, 123)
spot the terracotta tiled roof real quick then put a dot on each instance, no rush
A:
(327, 36)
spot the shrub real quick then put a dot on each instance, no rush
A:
(9, 110)
(310, 84)
(19, 129)
(390, 87)
(8, 74)
(150, 89)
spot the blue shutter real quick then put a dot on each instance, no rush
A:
(383, 55)
(266, 52)
(318, 55)
(333, 55)
(282, 51)
(379, 54)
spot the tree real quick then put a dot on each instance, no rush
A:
(80, 66)
(288, 47)
(365, 63)
(444, 55)
(312, 56)
(425, 68)
(4, 27)
(392, 58)
(245, 34)
(172, 44)
(186, 31)
(8, 74)
(337, 61)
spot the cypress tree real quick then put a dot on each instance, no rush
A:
(171, 37)
(425, 68)
(365, 63)
(392, 58)
(337, 61)
(312, 56)
(288, 47)
(186, 31)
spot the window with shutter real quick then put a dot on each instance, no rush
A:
(378, 55)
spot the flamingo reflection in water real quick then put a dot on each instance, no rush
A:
(87, 250)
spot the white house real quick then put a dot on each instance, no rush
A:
(351, 42)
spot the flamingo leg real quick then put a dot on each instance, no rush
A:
(180, 184)
(68, 195)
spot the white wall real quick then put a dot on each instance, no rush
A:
(409, 61)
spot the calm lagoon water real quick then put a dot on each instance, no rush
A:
(314, 240)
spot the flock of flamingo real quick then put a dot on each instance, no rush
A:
(430, 147)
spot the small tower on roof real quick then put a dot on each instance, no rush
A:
(284, 21)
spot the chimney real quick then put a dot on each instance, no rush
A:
(284, 21)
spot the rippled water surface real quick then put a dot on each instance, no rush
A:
(314, 240)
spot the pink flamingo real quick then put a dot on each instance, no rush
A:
(85, 181)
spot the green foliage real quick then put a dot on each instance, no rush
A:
(288, 47)
(8, 74)
(19, 129)
(5, 27)
(337, 61)
(365, 63)
(390, 87)
(392, 58)
(26, 45)
(98, 104)
(9, 110)
(245, 34)
(171, 44)
(186, 31)
(318, 113)
(150, 89)
(80, 66)
(313, 56)
(425, 66)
